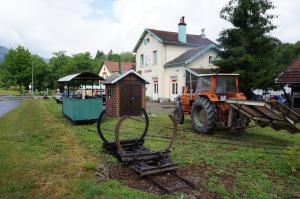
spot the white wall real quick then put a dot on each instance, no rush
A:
(203, 60)
(150, 70)
(166, 53)
(173, 51)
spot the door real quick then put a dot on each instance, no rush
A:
(130, 99)
(174, 89)
(155, 89)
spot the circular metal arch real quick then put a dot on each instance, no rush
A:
(117, 134)
(101, 135)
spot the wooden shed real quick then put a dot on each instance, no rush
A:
(125, 94)
(291, 76)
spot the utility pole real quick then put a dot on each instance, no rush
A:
(32, 79)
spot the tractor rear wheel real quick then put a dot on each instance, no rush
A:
(203, 115)
(178, 114)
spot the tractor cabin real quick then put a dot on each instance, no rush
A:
(216, 87)
(291, 77)
(125, 94)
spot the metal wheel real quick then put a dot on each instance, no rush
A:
(203, 115)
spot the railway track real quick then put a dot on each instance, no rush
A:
(171, 183)
(231, 144)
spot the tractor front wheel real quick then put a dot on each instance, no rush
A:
(203, 115)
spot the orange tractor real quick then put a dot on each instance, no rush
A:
(215, 98)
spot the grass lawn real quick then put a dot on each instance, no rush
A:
(43, 155)
(9, 92)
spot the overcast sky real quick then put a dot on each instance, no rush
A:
(46, 26)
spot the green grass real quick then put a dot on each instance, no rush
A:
(9, 92)
(43, 145)
(255, 161)
(41, 157)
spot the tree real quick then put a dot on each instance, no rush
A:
(40, 73)
(109, 55)
(247, 47)
(82, 62)
(127, 57)
(16, 67)
(59, 66)
(100, 55)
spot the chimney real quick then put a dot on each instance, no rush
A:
(182, 30)
(203, 33)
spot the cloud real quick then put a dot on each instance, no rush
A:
(78, 25)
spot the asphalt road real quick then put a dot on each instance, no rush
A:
(7, 104)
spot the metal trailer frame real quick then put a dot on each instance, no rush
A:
(276, 115)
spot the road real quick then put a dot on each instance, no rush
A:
(8, 103)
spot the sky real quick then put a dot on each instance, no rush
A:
(47, 26)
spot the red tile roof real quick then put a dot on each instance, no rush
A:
(114, 66)
(291, 74)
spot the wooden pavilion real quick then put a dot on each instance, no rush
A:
(291, 76)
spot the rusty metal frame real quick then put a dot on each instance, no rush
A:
(101, 135)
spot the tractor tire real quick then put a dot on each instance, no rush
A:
(178, 115)
(203, 115)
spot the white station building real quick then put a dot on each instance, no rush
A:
(162, 58)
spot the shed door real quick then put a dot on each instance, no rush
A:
(130, 99)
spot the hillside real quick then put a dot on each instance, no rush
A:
(3, 51)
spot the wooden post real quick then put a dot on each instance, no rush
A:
(85, 88)
(68, 89)
(92, 88)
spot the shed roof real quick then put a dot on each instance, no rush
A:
(80, 76)
(198, 71)
(189, 55)
(291, 74)
(117, 77)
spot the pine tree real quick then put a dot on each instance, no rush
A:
(247, 47)
(99, 55)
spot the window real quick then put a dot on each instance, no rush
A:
(210, 60)
(225, 84)
(142, 60)
(155, 87)
(203, 84)
(174, 88)
(154, 57)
